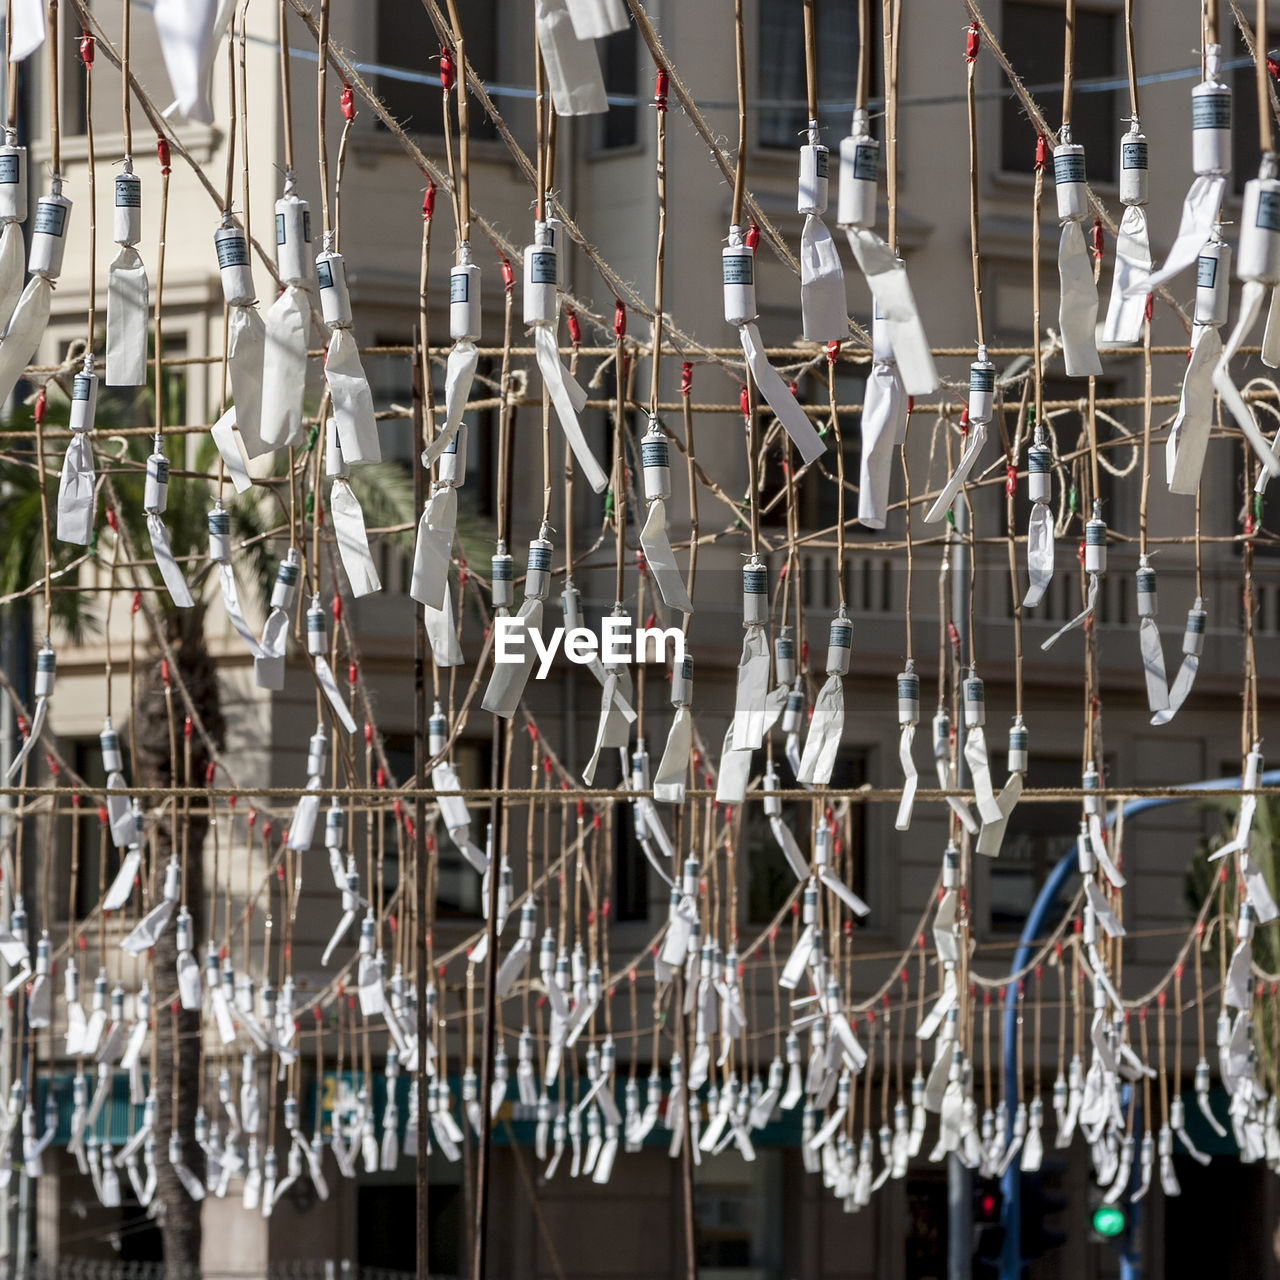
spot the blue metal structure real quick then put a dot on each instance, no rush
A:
(1011, 1183)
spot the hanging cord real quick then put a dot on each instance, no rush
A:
(11, 78)
(971, 60)
(740, 62)
(660, 168)
(1037, 196)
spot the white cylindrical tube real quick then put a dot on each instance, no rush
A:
(814, 167)
(1258, 254)
(49, 235)
(908, 696)
(772, 804)
(1147, 601)
(541, 276)
(1069, 181)
(859, 176)
(784, 657)
(1039, 470)
(294, 259)
(1133, 167)
(451, 466)
(1213, 283)
(112, 757)
(1211, 122)
(755, 594)
(233, 265)
(809, 908)
(1095, 543)
(1193, 636)
(334, 824)
(128, 208)
(317, 753)
(13, 183)
(738, 274)
(1090, 781)
(437, 731)
(156, 491)
(184, 930)
(84, 400)
(537, 583)
(975, 702)
(839, 646)
(219, 535)
(502, 578)
(951, 868)
(285, 589)
(1019, 741)
(464, 300)
(982, 387)
(655, 459)
(317, 633)
(793, 711)
(335, 298)
(682, 682)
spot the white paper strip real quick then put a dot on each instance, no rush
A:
(234, 612)
(284, 369)
(433, 548)
(673, 768)
(572, 66)
(29, 28)
(224, 439)
(1123, 325)
(884, 418)
(1153, 665)
(568, 399)
(752, 689)
(352, 400)
(25, 331)
(13, 271)
(1251, 298)
(324, 673)
(1199, 213)
(661, 560)
(823, 310)
(977, 438)
(189, 32)
(442, 633)
(1078, 304)
(1078, 620)
(825, 731)
(246, 345)
(76, 492)
(507, 683)
(353, 541)
(128, 310)
(910, 777)
(896, 306)
(793, 418)
(1039, 554)
(460, 372)
(174, 582)
(593, 19)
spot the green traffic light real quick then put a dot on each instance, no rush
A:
(1108, 1221)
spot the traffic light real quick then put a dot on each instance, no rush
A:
(1108, 1223)
(988, 1234)
(1043, 1202)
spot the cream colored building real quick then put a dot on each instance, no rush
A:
(767, 1221)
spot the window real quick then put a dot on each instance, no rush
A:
(620, 125)
(738, 1209)
(1033, 38)
(1037, 838)
(631, 867)
(414, 98)
(781, 84)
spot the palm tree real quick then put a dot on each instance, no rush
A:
(387, 496)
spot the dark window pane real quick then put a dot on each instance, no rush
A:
(781, 75)
(620, 127)
(1246, 148)
(1033, 38)
(405, 33)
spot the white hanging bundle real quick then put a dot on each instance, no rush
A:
(826, 726)
(982, 388)
(46, 672)
(507, 683)
(655, 461)
(146, 932)
(1040, 525)
(673, 768)
(349, 392)
(190, 32)
(542, 314)
(823, 309)
(13, 209)
(1123, 325)
(570, 60)
(268, 663)
(128, 300)
(749, 715)
(908, 718)
(220, 553)
(155, 500)
(30, 317)
(464, 329)
(1149, 639)
(246, 333)
(1078, 302)
(76, 485)
(303, 825)
(883, 427)
(1095, 566)
(738, 260)
(1258, 266)
(991, 836)
(885, 272)
(317, 647)
(1192, 648)
(444, 780)
(349, 530)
